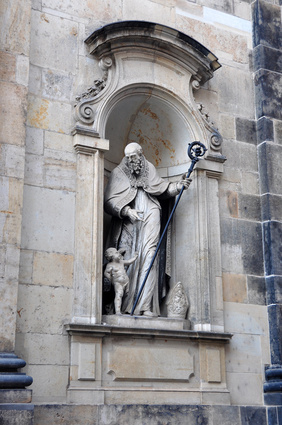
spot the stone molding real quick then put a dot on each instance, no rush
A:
(106, 330)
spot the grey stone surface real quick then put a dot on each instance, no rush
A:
(256, 290)
(272, 233)
(253, 415)
(268, 92)
(249, 207)
(267, 58)
(15, 396)
(151, 415)
(270, 168)
(61, 414)
(16, 414)
(274, 289)
(40, 230)
(247, 235)
(278, 131)
(271, 207)
(264, 130)
(246, 130)
(267, 24)
(226, 415)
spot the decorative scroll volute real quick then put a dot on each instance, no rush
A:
(85, 102)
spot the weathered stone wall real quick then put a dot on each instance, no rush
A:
(53, 50)
(14, 70)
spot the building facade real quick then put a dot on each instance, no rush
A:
(79, 80)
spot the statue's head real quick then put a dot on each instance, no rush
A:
(112, 254)
(134, 157)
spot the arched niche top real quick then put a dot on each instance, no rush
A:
(154, 119)
(159, 39)
(148, 65)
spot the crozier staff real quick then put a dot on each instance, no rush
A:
(131, 197)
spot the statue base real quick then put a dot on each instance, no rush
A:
(144, 322)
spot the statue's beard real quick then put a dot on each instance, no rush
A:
(136, 166)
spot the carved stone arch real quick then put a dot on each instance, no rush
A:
(149, 66)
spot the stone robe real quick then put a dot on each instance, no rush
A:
(140, 193)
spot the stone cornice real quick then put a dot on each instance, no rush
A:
(154, 38)
(108, 330)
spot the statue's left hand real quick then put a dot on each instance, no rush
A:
(183, 182)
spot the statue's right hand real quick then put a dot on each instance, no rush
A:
(133, 215)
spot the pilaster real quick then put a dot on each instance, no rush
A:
(87, 306)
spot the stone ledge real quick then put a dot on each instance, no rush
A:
(15, 396)
(110, 330)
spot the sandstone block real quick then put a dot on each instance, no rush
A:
(246, 388)
(147, 11)
(248, 157)
(220, 42)
(234, 98)
(242, 9)
(26, 266)
(34, 84)
(58, 36)
(12, 160)
(246, 318)
(58, 141)
(34, 170)
(7, 67)
(43, 309)
(243, 354)
(43, 349)
(48, 220)
(234, 288)
(34, 140)
(52, 269)
(218, 5)
(22, 70)
(15, 26)
(48, 115)
(227, 126)
(12, 125)
(59, 174)
(56, 86)
(250, 182)
(105, 12)
(50, 383)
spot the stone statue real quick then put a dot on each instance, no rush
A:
(177, 302)
(131, 198)
(116, 274)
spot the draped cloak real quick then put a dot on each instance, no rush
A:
(139, 192)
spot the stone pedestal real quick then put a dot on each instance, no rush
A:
(139, 361)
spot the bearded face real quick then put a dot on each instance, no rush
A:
(135, 163)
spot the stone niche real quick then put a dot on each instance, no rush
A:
(145, 93)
